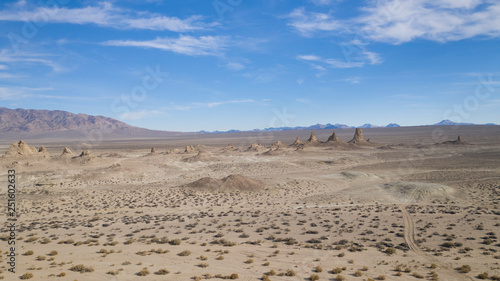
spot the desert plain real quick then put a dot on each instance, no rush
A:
(411, 203)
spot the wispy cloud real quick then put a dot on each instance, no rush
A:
(141, 114)
(352, 80)
(28, 58)
(17, 93)
(4, 75)
(397, 22)
(103, 14)
(218, 103)
(304, 101)
(310, 23)
(234, 66)
(359, 61)
(184, 44)
(136, 115)
(407, 96)
(323, 2)
(309, 57)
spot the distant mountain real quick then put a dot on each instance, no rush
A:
(339, 126)
(392, 125)
(21, 123)
(367, 125)
(447, 122)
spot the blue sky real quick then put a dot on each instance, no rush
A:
(241, 64)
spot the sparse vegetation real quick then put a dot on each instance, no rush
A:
(81, 268)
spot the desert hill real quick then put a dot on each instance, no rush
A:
(16, 123)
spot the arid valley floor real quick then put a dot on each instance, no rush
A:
(410, 204)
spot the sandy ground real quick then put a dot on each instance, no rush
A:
(399, 208)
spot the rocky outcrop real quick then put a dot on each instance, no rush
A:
(312, 138)
(333, 138)
(21, 149)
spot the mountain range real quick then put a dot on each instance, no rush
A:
(341, 126)
(19, 123)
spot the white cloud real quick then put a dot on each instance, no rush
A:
(3, 67)
(4, 75)
(136, 115)
(406, 96)
(352, 80)
(103, 14)
(364, 57)
(343, 64)
(396, 21)
(184, 44)
(10, 94)
(304, 101)
(28, 58)
(322, 2)
(218, 103)
(309, 23)
(234, 66)
(17, 93)
(309, 57)
(300, 81)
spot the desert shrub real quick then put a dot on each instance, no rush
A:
(464, 268)
(62, 274)
(31, 239)
(185, 253)
(249, 261)
(28, 275)
(341, 255)
(339, 278)
(113, 272)
(390, 251)
(175, 242)
(234, 276)
(143, 272)
(314, 277)
(495, 277)
(203, 265)
(358, 273)
(381, 277)
(53, 253)
(318, 269)
(337, 270)
(271, 272)
(290, 272)
(483, 275)
(81, 268)
(40, 258)
(417, 275)
(162, 271)
(265, 278)
(29, 253)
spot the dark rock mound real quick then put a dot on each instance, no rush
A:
(458, 141)
(229, 183)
